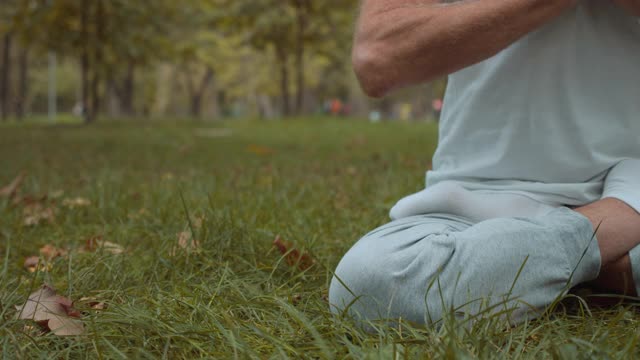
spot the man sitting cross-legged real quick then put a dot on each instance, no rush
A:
(539, 146)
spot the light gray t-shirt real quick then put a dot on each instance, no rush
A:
(552, 120)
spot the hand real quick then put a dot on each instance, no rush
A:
(631, 6)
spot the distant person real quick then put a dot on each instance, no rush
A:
(437, 105)
(375, 116)
(539, 146)
(336, 107)
(78, 110)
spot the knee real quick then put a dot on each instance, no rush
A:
(387, 274)
(356, 282)
(349, 280)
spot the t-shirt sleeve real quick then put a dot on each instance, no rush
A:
(623, 183)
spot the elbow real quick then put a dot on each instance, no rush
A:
(370, 66)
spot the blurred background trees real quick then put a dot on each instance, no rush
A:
(208, 59)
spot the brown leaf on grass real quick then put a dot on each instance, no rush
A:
(35, 263)
(43, 262)
(53, 312)
(97, 243)
(36, 213)
(94, 303)
(12, 188)
(30, 200)
(76, 202)
(66, 326)
(186, 242)
(40, 305)
(293, 256)
(50, 252)
(259, 150)
(31, 263)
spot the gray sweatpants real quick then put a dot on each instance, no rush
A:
(420, 268)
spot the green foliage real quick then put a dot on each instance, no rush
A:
(233, 47)
(130, 30)
(202, 58)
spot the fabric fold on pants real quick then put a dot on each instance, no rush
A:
(422, 268)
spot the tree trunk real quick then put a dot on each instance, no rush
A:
(87, 112)
(23, 83)
(128, 88)
(221, 99)
(301, 19)
(95, 93)
(112, 95)
(198, 94)
(97, 56)
(283, 63)
(5, 77)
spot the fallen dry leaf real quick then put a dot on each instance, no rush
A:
(50, 252)
(42, 266)
(28, 200)
(51, 311)
(31, 263)
(13, 187)
(43, 262)
(93, 303)
(97, 243)
(259, 150)
(186, 242)
(66, 326)
(292, 255)
(76, 202)
(40, 305)
(36, 213)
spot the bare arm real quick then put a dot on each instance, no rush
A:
(405, 42)
(618, 228)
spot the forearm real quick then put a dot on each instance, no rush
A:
(618, 231)
(618, 228)
(405, 42)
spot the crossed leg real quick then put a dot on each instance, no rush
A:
(421, 268)
(391, 272)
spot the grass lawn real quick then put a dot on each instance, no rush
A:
(318, 183)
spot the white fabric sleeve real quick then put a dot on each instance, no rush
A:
(623, 183)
